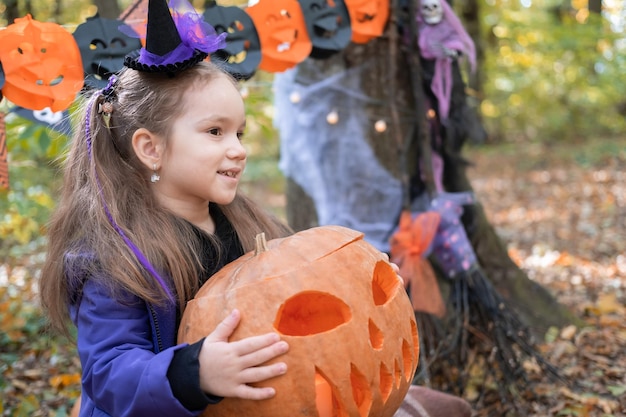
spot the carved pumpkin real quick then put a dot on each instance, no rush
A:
(283, 33)
(353, 341)
(42, 65)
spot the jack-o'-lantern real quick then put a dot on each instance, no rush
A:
(283, 33)
(242, 54)
(42, 65)
(328, 25)
(337, 302)
(367, 18)
(103, 48)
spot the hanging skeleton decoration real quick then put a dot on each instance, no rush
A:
(432, 12)
(476, 305)
(443, 39)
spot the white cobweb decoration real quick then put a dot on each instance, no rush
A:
(333, 163)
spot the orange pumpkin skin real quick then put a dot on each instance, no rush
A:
(353, 341)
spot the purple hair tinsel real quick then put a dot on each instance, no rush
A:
(140, 256)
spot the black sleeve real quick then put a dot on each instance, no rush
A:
(184, 377)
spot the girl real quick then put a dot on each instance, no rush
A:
(149, 210)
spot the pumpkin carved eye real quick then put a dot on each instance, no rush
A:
(353, 341)
(311, 312)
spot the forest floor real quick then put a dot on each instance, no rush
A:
(561, 210)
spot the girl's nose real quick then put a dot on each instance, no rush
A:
(236, 150)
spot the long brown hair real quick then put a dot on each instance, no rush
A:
(112, 176)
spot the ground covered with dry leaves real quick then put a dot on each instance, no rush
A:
(562, 212)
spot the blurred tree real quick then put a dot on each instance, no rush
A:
(109, 9)
(396, 84)
(11, 11)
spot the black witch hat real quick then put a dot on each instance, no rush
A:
(174, 41)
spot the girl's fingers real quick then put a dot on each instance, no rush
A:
(254, 393)
(226, 327)
(261, 373)
(254, 344)
(260, 356)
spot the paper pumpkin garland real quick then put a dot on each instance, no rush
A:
(283, 33)
(328, 26)
(42, 65)
(368, 18)
(353, 341)
(103, 48)
(242, 54)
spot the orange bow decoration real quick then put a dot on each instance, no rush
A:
(408, 248)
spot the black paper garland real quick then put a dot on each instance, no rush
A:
(103, 48)
(242, 54)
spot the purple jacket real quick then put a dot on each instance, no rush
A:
(126, 346)
(125, 354)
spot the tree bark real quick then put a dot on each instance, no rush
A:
(109, 9)
(535, 304)
(11, 11)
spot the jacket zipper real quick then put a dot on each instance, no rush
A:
(156, 328)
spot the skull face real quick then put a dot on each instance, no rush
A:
(432, 12)
(353, 341)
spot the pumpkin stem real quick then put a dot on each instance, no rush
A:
(261, 244)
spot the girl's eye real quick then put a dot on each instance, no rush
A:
(215, 131)
(240, 135)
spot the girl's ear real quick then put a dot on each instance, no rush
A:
(148, 147)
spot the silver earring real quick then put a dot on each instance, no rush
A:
(155, 175)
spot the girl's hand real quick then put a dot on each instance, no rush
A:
(394, 266)
(226, 368)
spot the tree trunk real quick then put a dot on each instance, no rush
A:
(388, 80)
(109, 9)
(11, 11)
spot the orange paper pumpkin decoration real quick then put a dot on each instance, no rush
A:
(282, 30)
(42, 65)
(353, 341)
(368, 18)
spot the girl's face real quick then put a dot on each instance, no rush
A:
(204, 158)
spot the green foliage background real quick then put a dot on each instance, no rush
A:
(553, 72)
